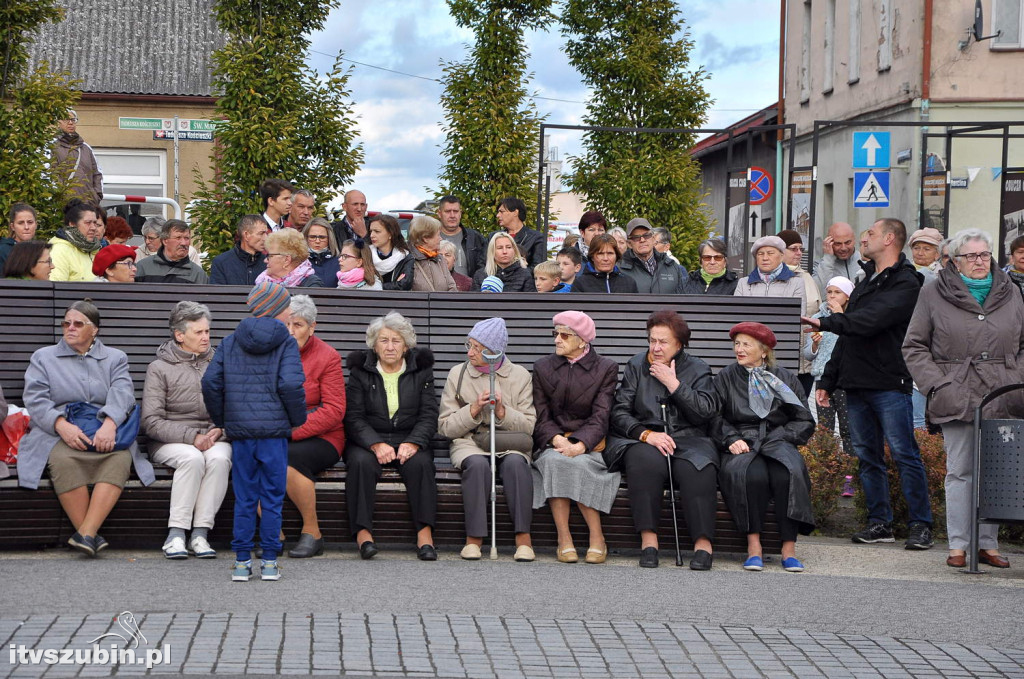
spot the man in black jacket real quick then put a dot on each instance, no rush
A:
(868, 363)
(470, 247)
(653, 271)
(243, 263)
(511, 217)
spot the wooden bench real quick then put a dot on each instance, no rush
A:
(134, 319)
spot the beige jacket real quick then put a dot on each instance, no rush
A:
(513, 383)
(431, 274)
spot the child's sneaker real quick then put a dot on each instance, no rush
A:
(848, 486)
(242, 571)
(270, 571)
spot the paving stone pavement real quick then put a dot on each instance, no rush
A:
(436, 645)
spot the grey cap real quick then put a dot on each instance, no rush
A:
(636, 223)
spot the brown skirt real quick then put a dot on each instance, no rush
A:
(70, 468)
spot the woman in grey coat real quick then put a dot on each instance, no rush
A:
(80, 368)
(964, 341)
(182, 434)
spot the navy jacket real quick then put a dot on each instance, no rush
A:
(326, 267)
(237, 267)
(591, 280)
(253, 388)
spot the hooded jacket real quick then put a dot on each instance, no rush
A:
(868, 353)
(253, 388)
(238, 267)
(591, 280)
(172, 398)
(74, 162)
(159, 269)
(366, 419)
(667, 278)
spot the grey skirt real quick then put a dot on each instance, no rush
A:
(583, 478)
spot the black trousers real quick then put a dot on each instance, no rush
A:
(364, 472)
(646, 476)
(517, 480)
(767, 480)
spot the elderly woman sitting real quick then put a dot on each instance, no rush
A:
(771, 277)
(713, 277)
(288, 261)
(465, 420)
(763, 417)
(965, 341)
(659, 418)
(392, 415)
(572, 392)
(80, 369)
(430, 271)
(317, 444)
(181, 433)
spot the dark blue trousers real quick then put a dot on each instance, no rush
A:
(259, 472)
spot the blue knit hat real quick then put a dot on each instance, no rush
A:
(491, 333)
(492, 284)
(268, 299)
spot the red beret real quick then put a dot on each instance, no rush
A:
(762, 333)
(106, 257)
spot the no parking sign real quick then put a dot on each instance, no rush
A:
(761, 185)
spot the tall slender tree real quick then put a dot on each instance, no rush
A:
(491, 127)
(31, 103)
(278, 118)
(634, 55)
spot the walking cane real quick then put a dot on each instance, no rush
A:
(492, 361)
(672, 487)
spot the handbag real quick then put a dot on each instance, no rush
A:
(85, 416)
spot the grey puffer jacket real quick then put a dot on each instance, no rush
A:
(173, 410)
(958, 350)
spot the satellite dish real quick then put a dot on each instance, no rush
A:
(978, 29)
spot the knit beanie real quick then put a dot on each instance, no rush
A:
(491, 333)
(492, 284)
(790, 237)
(268, 299)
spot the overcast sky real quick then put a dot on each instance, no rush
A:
(400, 119)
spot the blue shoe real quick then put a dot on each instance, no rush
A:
(242, 571)
(270, 571)
(754, 563)
(792, 565)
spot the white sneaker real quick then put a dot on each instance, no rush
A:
(201, 548)
(174, 548)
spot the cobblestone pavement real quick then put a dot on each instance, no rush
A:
(435, 645)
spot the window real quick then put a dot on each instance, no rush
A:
(884, 35)
(830, 46)
(134, 173)
(1006, 18)
(853, 60)
(805, 56)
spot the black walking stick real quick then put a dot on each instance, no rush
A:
(672, 486)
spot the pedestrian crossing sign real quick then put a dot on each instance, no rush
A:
(871, 189)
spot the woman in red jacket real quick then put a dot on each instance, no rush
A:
(318, 443)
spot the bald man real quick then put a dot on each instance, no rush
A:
(841, 257)
(353, 224)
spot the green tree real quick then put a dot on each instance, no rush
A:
(30, 104)
(278, 118)
(634, 55)
(491, 128)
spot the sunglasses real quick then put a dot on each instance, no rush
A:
(644, 236)
(563, 335)
(712, 258)
(77, 325)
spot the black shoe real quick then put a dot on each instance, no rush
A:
(306, 547)
(427, 553)
(83, 543)
(919, 537)
(649, 557)
(368, 550)
(101, 544)
(701, 560)
(875, 532)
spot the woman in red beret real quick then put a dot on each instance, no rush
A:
(114, 264)
(762, 418)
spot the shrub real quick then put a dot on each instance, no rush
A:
(828, 467)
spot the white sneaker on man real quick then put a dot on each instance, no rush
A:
(174, 548)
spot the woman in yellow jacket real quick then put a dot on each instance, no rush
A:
(76, 243)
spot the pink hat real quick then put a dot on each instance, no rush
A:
(926, 235)
(578, 322)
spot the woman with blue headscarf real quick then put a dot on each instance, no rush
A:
(762, 418)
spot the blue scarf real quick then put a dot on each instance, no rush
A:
(772, 275)
(763, 387)
(978, 287)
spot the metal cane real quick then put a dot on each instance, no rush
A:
(492, 360)
(672, 487)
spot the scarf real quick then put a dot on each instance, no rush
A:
(431, 254)
(353, 278)
(978, 287)
(486, 367)
(385, 265)
(710, 277)
(75, 237)
(771, 275)
(586, 350)
(299, 274)
(763, 387)
(70, 138)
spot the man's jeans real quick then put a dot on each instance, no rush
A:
(874, 414)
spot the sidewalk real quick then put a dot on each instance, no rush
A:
(858, 611)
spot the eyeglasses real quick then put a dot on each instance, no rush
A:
(973, 257)
(277, 254)
(563, 335)
(44, 261)
(473, 346)
(312, 237)
(71, 120)
(712, 258)
(643, 236)
(344, 256)
(77, 325)
(130, 263)
(796, 248)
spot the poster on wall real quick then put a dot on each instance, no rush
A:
(801, 183)
(1012, 211)
(933, 200)
(736, 216)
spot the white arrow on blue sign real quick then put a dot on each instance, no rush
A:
(871, 189)
(871, 150)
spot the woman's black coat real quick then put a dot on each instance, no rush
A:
(515, 277)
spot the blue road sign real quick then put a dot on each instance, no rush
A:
(871, 189)
(761, 185)
(871, 150)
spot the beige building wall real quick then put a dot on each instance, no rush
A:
(980, 71)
